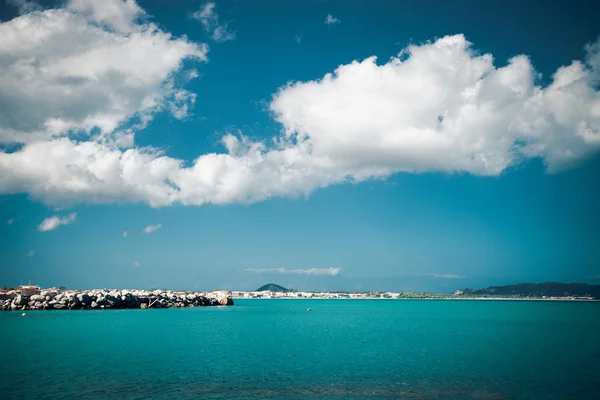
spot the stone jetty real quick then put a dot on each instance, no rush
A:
(110, 299)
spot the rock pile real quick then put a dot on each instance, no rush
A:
(111, 299)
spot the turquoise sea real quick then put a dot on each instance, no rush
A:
(276, 349)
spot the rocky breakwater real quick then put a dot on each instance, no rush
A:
(111, 299)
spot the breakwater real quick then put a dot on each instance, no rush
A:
(110, 299)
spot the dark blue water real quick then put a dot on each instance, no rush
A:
(275, 349)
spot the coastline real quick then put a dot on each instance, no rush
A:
(34, 298)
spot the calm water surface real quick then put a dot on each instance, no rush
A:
(275, 349)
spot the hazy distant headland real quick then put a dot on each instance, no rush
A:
(539, 290)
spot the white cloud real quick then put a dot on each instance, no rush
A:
(192, 74)
(31, 253)
(437, 276)
(124, 233)
(93, 65)
(445, 276)
(137, 264)
(443, 108)
(12, 220)
(210, 20)
(330, 19)
(309, 271)
(222, 34)
(207, 16)
(152, 228)
(118, 15)
(62, 172)
(49, 224)
(298, 38)
(439, 106)
(181, 104)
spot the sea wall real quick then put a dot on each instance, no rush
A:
(111, 299)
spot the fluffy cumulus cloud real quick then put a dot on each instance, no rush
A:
(438, 106)
(151, 228)
(209, 18)
(50, 224)
(443, 107)
(115, 14)
(89, 67)
(308, 271)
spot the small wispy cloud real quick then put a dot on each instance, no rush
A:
(24, 6)
(298, 38)
(309, 271)
(210, 20)
(137, 264)
(124, 233)
(31, 253)
(445, 276)
(12, 220)
(152, 228)
(49, 224)
(222, 34)
(183, 101)
(331, 20)
(437, 276)
(192, 74)
(207, 15)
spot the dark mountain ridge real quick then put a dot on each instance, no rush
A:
(273, 288)
(548, 289)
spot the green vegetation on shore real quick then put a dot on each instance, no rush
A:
(538, 290)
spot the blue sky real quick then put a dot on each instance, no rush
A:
(211, 135)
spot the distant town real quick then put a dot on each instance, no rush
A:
(390, 295)
(525, 291)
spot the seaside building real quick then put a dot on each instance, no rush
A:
(28, 290)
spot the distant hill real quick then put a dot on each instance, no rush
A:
(273, 288)
(548, 289)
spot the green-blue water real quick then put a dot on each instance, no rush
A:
(275, 349)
